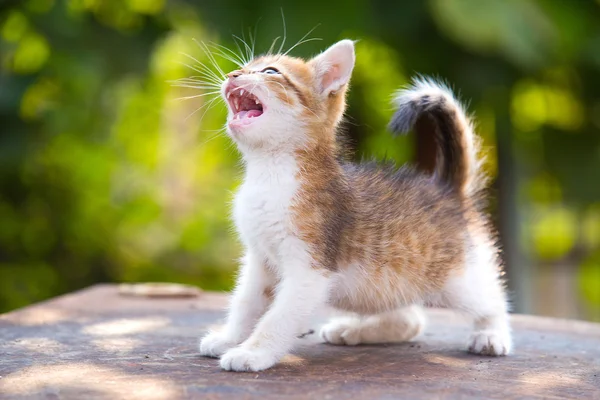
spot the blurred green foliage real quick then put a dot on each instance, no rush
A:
(106, 176)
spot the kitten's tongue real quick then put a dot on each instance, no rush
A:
(249, 114)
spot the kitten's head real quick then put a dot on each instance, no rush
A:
(277, 101)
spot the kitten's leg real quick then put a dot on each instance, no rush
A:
(394, 326)
(301, 291)
(478, 291)
(249, 301)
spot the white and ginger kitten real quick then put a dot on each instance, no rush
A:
(374, 241)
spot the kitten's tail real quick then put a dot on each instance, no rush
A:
(446, 143)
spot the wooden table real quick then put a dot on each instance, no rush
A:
(97, 344)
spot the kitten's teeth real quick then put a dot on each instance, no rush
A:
(256, 101)
(228, 94)
(241, 92)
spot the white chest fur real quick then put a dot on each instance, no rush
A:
(262, 204)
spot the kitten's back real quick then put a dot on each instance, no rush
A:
(407, 221)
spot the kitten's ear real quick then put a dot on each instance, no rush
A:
(334, 66)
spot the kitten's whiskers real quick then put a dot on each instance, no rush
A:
(210, 56)
(197, 95)
(302, 40)
(230, 55)
(270, 51)
(284, 32)
(248, 50)
(208, 104)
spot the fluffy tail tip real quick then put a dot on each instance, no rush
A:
(412, 101)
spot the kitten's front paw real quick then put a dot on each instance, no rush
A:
(489, 343)
(342, 331)
(244, 359)
(215, 344)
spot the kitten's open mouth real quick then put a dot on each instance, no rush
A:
(244, 105)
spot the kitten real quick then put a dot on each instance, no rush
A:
(371, 240)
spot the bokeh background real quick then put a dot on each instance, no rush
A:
(106, 177)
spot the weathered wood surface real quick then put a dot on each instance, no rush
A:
(96, 344)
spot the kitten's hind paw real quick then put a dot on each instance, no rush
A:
(394, 326)
(342, 331)
(490, 343)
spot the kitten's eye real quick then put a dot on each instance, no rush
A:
(270, 71)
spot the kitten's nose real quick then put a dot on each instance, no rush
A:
(234, 74)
